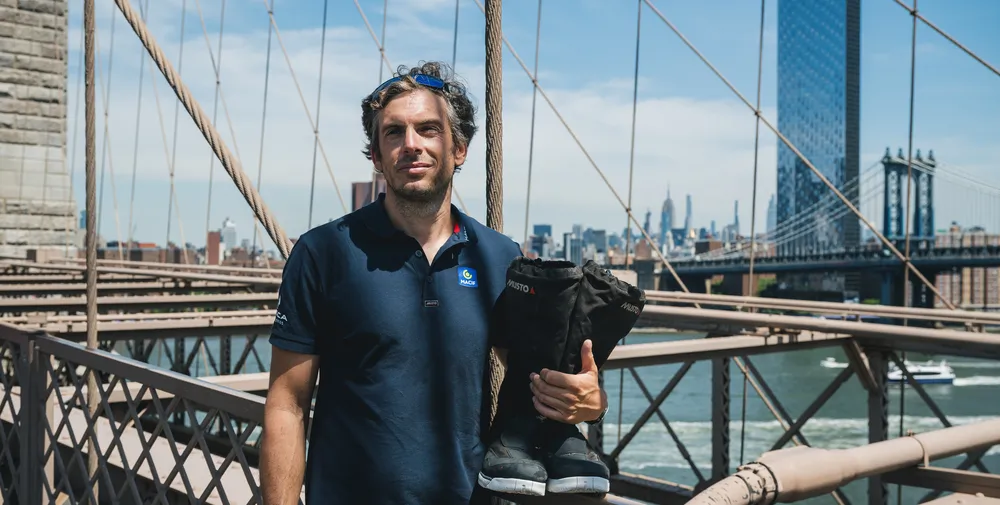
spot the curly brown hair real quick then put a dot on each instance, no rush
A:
(461, 111)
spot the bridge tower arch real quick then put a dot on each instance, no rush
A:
(894, 197)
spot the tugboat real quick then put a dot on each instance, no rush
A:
(925, 373)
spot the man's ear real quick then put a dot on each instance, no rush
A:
(376, 161)
(460, 152)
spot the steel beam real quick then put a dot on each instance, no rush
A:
(182, 266)
(845, 309)
(957, 343)
(947, 479)
(122, 288)
(224, 326)
(680, 351)
(649, 489)
(138, 303)
(173, 274)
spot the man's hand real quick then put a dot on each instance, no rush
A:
(570, 398)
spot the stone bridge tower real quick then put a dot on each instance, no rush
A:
(37, 210)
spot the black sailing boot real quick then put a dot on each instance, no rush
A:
(606, 311)
(537, 303)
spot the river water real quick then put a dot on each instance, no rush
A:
(796, 378)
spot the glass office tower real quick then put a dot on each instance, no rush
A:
(818, 106)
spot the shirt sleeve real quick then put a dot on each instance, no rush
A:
(296, 320)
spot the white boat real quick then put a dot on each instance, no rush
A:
(831, 362)
(923, 373)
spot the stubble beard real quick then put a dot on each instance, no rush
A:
(422, 202)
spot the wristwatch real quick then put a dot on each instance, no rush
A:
(601, 417)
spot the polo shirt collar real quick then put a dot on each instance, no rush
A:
(375, 217)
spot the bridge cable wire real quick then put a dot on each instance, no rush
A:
(173, 153)
(76, 129)
(789, 234)
(826, 202)
(454, 61)
(215, 108)
(105, 96)
(319, 100)
(805, 160)
(531, 138)
(105, 105)
(631, 171)
(751, 287)
(913, 12)
(163, 135)
(494, 158)
(381, 50)
(91, 255)
(263, 124)
(909, 189)
(305, 107)
(135, 143)
(231, 164)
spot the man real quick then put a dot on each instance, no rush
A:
(390, 306)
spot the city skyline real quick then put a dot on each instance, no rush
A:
(706, 148)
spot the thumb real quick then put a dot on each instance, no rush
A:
(587, 363)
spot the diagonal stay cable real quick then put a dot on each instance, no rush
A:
(454, 60)
(291, 70)
(531, 141)
(215, 107)
(232, 165)
(106, 92)
(913, 12)
(371, 31)
(593, 163)
(631, 166)
(135, 145)
(263, 125)
(381, 50)
(319, 97)
(805, 160)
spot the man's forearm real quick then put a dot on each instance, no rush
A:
(283, 457)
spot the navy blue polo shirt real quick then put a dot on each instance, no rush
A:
(403, 345)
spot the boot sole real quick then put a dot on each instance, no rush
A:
(578, 485)
(514, 486)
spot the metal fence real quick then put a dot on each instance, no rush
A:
(49, 452)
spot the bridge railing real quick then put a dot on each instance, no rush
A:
(142, 453)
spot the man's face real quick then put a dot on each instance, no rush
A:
(417, 154)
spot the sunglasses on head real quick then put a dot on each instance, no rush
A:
(422, 79)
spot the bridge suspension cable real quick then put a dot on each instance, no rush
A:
(232, 165)
(106, 144)
(215, 104)
(319, 101)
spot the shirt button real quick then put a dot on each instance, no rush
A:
(420, 254)
(430, 280)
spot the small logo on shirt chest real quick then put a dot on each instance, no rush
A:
(467, 277)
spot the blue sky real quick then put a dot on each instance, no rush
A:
(692, 133)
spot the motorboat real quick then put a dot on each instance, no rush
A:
(831, 362)
(924, 373)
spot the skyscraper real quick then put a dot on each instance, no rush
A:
(819, 47)
(772, 216)
(687, 215)
(666, 218)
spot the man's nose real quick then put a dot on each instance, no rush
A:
(411, 141)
